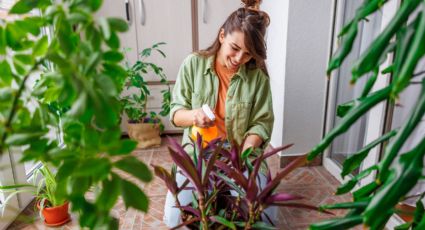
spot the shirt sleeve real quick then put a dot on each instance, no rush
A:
(182, 92)
(262, 118)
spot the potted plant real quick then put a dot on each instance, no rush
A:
(224, 181)
(75, 59)
(53, 208)
(144, 126)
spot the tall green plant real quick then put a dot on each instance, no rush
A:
(77, 89)
(398, 172)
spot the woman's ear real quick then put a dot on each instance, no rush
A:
(221, 36)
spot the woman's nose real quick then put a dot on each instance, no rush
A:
(239, 57)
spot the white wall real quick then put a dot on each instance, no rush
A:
(298, 43)
(276, 55)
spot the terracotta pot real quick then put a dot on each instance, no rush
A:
(55, 216)
(146, 134)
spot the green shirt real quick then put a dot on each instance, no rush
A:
(249, 108)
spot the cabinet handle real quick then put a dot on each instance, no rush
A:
(127, 10)
(142, 13)
(204, 11)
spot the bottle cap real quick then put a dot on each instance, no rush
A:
(208, 112)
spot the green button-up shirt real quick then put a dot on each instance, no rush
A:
(249, 108)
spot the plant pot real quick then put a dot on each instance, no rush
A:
(146, 134)
(55, 216)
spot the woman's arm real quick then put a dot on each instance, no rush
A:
(197, 117)
(252, 140)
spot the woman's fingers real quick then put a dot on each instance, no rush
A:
(200, 119)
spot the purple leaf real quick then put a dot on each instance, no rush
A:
(199, 150)
(276, 150)
(299, 161)
(187, 222)
(281, 197)
(183, 161)
(190, 209)
(210, 165)
(170, 182)
(252, 184)
(235, 175)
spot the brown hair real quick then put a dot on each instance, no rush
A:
(252, 22)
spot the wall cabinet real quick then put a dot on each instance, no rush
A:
(184, 25)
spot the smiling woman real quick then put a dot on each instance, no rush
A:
(230, 77)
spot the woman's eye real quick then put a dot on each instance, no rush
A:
(234, 48)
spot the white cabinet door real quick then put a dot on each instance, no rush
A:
(168, 21)
(123, 9)
(211, 16)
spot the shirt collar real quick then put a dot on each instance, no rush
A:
(210, 68)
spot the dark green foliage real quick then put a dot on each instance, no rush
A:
(78, 80)
(397, 172)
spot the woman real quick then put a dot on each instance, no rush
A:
(231, 77)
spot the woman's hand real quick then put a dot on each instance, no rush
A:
(200, 119)
(185, 118)
(253, 141)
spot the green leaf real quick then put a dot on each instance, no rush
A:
(113, 56)
(109, 194)
(246, 153)
(23, 138)
(355, 160)
(135, 167)
(124, 147)
(113, 42)
(23, 6)
(337, 223)
(118, 24)
(65, 170)
(3, 41)
(24, 59)
(93, 166)
(133, 196)
(95, 4)
(79, 106)
(30, 25)
(6, 73)
(104, 26)
(346, 187)
(343, 109)
(40, 48)
(224, 222)
(262, 225)
(6, 94)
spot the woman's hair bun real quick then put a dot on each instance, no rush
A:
(252, 4)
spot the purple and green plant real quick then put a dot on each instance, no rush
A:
(225, 185)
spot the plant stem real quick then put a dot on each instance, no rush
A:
(251, 217)
(14, 107)
(202, 209)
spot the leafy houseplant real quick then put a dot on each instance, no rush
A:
(79, 79)
(53, 208)
(225, 188)
(398, 172)
(144, 126)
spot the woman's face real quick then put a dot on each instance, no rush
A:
(232, 52)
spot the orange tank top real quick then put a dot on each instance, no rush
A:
(224, 76)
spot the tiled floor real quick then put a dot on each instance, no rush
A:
(314, 183)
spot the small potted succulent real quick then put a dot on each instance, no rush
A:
(144, 126)
(53, 208)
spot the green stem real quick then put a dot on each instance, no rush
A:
(349, 119)
(13, 110)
